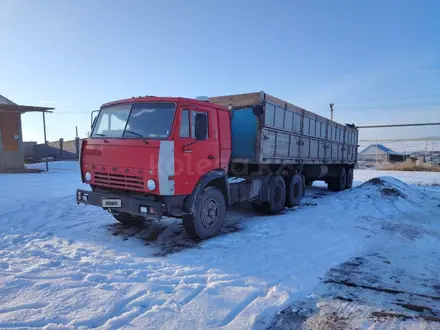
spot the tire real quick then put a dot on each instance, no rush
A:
(208, 217)
(349, 178)
(295, 191)
(339, 183)
(128, 219)
(277, 197)
(260, 207)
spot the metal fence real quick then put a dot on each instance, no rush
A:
(56, 150)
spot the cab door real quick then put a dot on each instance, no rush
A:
(197, 149)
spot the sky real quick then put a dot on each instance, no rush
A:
(377, 61)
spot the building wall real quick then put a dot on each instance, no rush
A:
(11, 125)
(373, 157)
(373, 154)
(398, 158)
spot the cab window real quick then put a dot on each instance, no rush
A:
(184, 124)
(201, 119)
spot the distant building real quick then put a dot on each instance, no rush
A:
(435, 160)
(11, 142)
(380, 153)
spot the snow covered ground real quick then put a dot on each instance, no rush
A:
(356, 258)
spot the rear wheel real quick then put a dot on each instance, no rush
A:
(209, 215)
(339, 183)
(349, 178)
(277, 197)
(295, 191)
(128, 219)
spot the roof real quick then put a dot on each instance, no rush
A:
(164, 99)
(384, 149)
(4, 100)
(8, 107)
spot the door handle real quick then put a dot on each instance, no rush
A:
(211, 157)
(185, 147)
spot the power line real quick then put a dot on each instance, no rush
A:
(391, 99)
(400, 140)
(391, 107)
(399, 125)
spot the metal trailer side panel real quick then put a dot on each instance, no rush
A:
(314, 148)
(351, 141)
(268, 130)
(313, 139)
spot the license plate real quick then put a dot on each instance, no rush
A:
(111, 202)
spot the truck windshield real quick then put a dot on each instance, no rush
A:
(139, 120)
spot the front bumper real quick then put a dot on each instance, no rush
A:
(132, 205)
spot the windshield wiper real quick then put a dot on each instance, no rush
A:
(99, 134)
(137, 134)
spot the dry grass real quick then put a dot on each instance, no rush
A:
(408, 166)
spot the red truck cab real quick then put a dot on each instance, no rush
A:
(148, 156)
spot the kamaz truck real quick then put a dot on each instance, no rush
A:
(150, 157)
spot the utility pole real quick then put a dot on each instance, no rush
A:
(331, 111)
(76, 128)
(45, 141)
(377, 155)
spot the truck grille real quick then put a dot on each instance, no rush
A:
(119, 180)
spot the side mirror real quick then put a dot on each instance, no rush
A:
(93, 123)
(201, 126)
(93, 118)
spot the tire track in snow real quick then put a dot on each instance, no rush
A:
(176, 306)
(127, 317)
(239, 308)
(40, 323)
(193, 295)
(36, 305)
(114, 311)
(73, 277)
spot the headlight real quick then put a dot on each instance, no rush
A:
(88, 176)
(151, 184)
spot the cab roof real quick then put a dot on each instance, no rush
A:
(179, 100)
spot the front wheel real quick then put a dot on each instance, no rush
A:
(208, 216)
(128, 219)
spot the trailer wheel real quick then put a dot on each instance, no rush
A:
(209, 215)
(128, 219)
(309, 183)
(277, 197)
(295, 190)
(349, 178)
(339, 183)
(260, 207)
